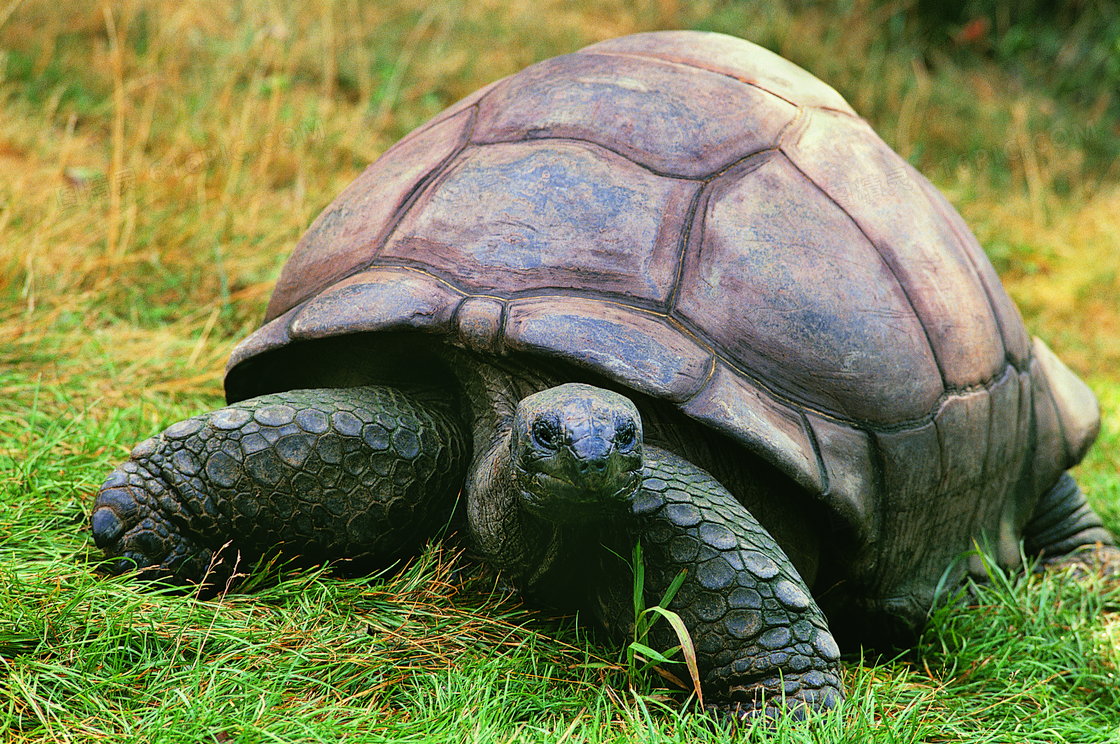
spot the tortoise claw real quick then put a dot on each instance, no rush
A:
(805, 703)
(129, 524)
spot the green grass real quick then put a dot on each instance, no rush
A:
(158, 162)
(428, 655)
(432, 652)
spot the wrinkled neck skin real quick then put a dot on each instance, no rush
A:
(591, 573)
(521, 546)
(514, 542)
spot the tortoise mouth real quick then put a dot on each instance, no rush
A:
(555, 498)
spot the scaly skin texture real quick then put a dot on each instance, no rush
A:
(362, 474)
(763, 645)
(1065, 531)
(1063, 522)
(357, 474)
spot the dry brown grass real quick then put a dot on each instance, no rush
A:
(151, 192)
(1069, 287)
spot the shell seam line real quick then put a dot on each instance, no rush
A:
(886, 264)
(798, 116)
(985, 474)
(682, 245)
(417, 270)
(608, 298)
(599, 145)
(423, 183)
(916, 423)
(729, 75)
(811, 435)
(700, 200)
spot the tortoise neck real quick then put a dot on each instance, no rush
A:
(513, 541)
(491, 389)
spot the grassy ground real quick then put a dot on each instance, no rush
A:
(157, 162)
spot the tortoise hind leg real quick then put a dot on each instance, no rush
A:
(358, 474)
(1064, 529)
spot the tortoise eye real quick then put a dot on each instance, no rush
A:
(624, 436)
(544, 432)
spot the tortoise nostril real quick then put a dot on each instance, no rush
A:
(592, 455)
(593, 466)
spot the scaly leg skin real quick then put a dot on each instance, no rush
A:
(357, 474)
(1065, 531)
(762, 643)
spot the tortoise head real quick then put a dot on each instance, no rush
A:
(577, 452)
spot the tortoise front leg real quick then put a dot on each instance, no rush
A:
(353, 473)
(762, 643)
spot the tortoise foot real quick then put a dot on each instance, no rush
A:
(800, 697)
(132, 526)
(801, 703)
(1064, 529)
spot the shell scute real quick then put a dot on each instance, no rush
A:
(670, 118)
(910, 463)
(479, 321)
(788, 286)
(848, 457)
(998, 516)
(379, 299)
(1077, 408)
(883, 195)
(514, 217)
(767, 426)
(625, 343)
(964, 427)
(1008, 434)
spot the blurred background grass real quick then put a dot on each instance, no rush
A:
(159, 159)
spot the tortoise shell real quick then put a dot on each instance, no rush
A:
(705, 222)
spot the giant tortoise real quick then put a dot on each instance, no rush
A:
(668, 289)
